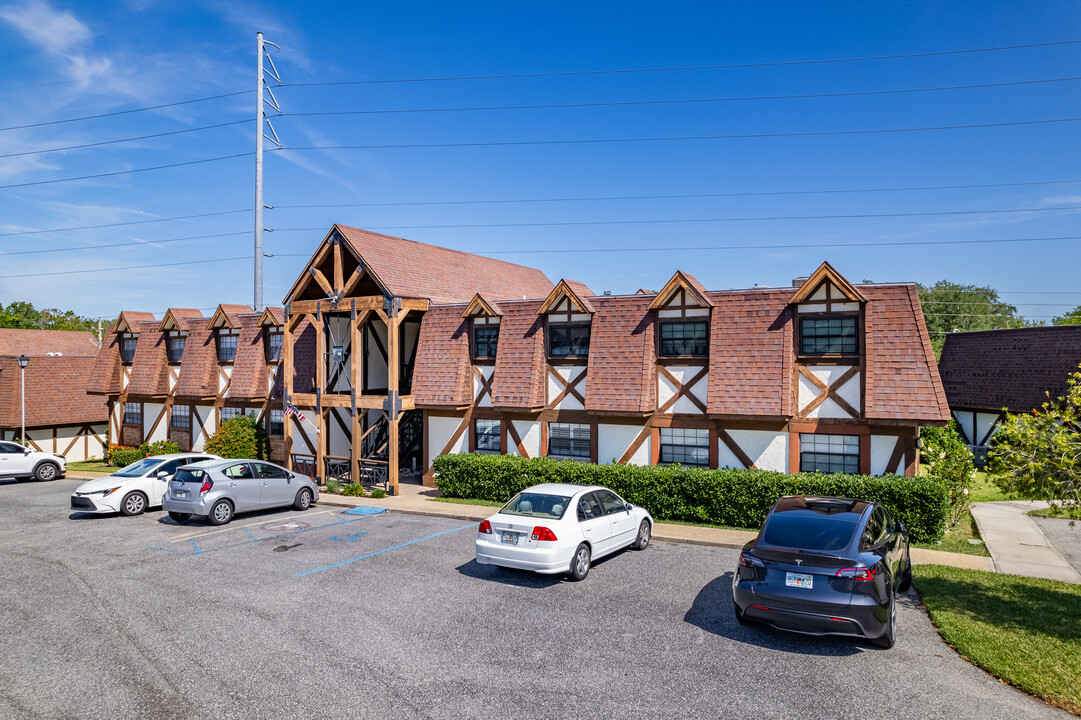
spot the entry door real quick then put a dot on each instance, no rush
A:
(243, 486)
(596, 526)
(14, 460)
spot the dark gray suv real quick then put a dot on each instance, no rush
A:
(218, 489)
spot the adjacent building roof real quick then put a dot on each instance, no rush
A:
(1013, 369)
(56, 378)
(411, 269)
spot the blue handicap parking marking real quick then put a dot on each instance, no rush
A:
(386, 550)
(349, 538)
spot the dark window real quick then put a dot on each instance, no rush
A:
(808, 533)
(274, 346)
(174, 347)
(568, 340)
(568, 440)
(829, 453)
(168, 468)
(12, 448)
(828, 336)
(266, 470)
(876, 531)
(487, 435)
(127, 349)
(237, 472)
(485, 340)
(610, 502)
(226, 347)
(180, 417)
(133, 413)
(685, 338)
(686, 446)
(589, 508)
(277, 423)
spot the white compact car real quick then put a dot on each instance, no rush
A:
(17, 461)
(557, 528)
(134, 488)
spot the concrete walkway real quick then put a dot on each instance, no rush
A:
(417, 500)
(1016, 543)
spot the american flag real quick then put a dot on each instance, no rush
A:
(292, 410)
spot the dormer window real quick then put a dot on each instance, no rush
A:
(684, 338)
(484, 317)
(485, 341)
(568, 340)
(227, 342)
(174, 345)
(127, 347)
(570, 318)
(829, 335)
(683, 312)
(274, 339)
(828, 315)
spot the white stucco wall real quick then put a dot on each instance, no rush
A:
(530, 433)
(767, 449)
(440, 430)
(613, 441)
(150, 414)
(486, 371)
(666, 389)
(881, 451)
(209, 418)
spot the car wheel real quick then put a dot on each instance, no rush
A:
(134, 503)
(580, 563)
(179, 517)
(906, 578)
(643, 536)
(46, 471)
(303, 500)
(888, 637)
(221, 513)
(740, 617)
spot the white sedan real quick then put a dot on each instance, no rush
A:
(133, 488)
(561, 528)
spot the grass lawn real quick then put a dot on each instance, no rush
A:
(983, 490)
(956, 539)
(1071, 513)
(1024, 631)
(91, 465)
(466, 501)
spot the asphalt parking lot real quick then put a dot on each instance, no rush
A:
(322, 614)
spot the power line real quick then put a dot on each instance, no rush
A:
(678, 102)
(711, 220)
(680, 197)
(129, 267)
(729, 66)
(125, 172)
(122, 140)
(123, 224)
(125, 112)
(150, 243)
(807, 133)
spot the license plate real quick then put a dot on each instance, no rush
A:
(799, 580)
(510, 538)
(180, 493)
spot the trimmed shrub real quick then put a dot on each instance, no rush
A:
(736, 498)
(378, 493)
(334, 486)
(239, 437)
(353, 490)
(124, 456)
(161, 447)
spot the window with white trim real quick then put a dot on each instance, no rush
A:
(133, 413)
(227, 413)
(686, 446)
(486, 437)
(685, 338)
(831, 335)
(174, 347)
(571, 440)
(275, 339)
(829, 453)
(180, 417)
(127, 347)
(227, 346)
(277, 423)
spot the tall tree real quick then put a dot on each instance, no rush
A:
(23, 315)
(951, 307)
(1071, 318)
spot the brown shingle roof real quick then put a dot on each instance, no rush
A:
(55, 392)
(148, 374)
(231, 313)
(37, 343)
(994, 369)
(621, 356)
(518, 380)
(442, 374)
(417, 270)
(133, 319)
(199, 363)
(105, 373)
(249, 366)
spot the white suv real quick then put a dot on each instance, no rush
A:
(17, 461)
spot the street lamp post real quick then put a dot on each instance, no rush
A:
(23, 362)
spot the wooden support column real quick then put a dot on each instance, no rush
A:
(286, 368)
(393, 361)
(356, 356)
(320, 388)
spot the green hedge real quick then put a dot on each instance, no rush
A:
(737, 498)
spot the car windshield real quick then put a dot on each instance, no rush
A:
(189, 474)
(536, 505)
(140, 468)
(819, 534)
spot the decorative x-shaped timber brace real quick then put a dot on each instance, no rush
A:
(569, 387)
(485, 390)
(829, 392)
(682, 389)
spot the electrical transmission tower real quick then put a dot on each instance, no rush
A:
(265, 97)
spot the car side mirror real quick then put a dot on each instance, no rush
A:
(627, 506)
(26, 452)
(901, 527)
(162, 474)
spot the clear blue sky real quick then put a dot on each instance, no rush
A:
(66, 60)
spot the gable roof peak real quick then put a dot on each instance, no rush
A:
(826, 272)
(173, 316)
(479, 306)
(129, 321)
(689, 284)
(228, 316)
(575, 291)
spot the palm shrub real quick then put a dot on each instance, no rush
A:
(239, 437)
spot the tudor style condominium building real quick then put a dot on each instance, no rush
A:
(397, 351)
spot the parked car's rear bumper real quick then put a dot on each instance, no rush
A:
(862, 617)
(550, 560)
(198, 505)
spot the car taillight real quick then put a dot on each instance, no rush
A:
(748, 560)
(485, 527)
(544, 534)
(207, 484)
(857, 574)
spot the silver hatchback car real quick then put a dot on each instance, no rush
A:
(218, 489)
